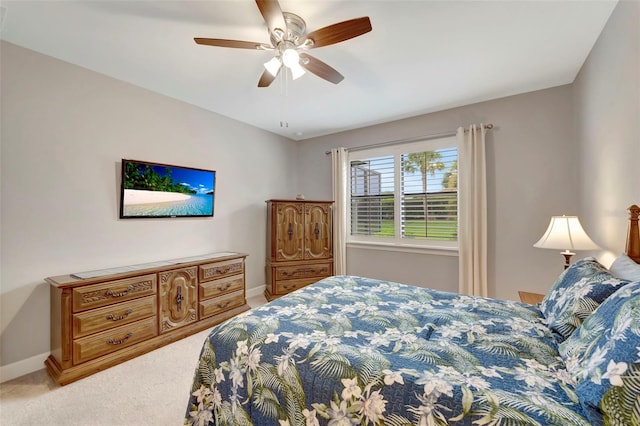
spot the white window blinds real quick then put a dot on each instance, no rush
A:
(372, 197)
(405, 194)
(429, 198)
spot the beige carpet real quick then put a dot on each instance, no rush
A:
(152, 389)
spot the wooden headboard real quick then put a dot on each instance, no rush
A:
(633, 236)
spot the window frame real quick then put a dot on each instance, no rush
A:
(397, 243)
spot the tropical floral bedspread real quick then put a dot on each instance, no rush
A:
(357, 351)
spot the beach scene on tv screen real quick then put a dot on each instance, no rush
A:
(158, 190)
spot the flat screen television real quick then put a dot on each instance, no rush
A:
(155, 190)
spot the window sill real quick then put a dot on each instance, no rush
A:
(406, 248)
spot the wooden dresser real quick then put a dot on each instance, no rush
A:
(299, 245)
(102, 318)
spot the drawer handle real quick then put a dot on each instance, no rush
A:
(224, 305)
(287, 287)
(223, 270)
(317, 231)
(120, 341)
(290, 231)
(301, 271)
(224, 287)
(121, 317)
(121, 294)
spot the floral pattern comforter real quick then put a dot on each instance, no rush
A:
(357, 351)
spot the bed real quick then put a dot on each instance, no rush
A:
(352, 350)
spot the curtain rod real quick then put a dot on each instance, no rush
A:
(488, 126)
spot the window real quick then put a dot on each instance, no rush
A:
(406, 194)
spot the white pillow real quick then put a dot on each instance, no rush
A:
(624, 267)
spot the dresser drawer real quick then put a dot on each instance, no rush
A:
(97, 295)
(217, 270)
(316, 270)
(220, 304)
(284, 287)
(88, 348)
(225, 285)
(111, 316)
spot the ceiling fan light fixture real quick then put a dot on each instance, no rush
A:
(290, 41)
(296, 71)
(273, 65)
(290, 58)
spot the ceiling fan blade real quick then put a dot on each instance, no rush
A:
(319, 68)
(220, 42)
(267, 78)
(272, 14)
(338, 32)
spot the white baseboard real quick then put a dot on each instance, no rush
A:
(20, 368)
(255, 291)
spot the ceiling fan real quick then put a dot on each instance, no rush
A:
(290, 42)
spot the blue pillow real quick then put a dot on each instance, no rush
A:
(603, 356)
(576, 293)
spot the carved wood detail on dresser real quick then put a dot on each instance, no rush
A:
(102, 318)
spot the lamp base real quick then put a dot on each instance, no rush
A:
(567, 258)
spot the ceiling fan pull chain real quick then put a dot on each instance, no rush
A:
(284, 91)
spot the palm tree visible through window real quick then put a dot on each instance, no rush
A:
(415, 219)
(429, 196)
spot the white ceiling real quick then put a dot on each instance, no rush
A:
(420, 57)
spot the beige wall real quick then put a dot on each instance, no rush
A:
(607, 108)
(64, 131)
(532, 174)
(568, 150)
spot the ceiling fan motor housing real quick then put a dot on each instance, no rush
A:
(296, 28)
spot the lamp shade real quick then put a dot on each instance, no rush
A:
(566, 233)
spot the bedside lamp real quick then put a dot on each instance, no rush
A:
(565, 232)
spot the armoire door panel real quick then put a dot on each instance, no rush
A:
(290, 232)
(318, 242)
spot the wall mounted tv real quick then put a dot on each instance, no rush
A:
(154, 190)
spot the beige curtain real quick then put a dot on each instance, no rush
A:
(472, 211)
(340, 179)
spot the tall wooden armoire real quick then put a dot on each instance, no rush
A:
(299, 244)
